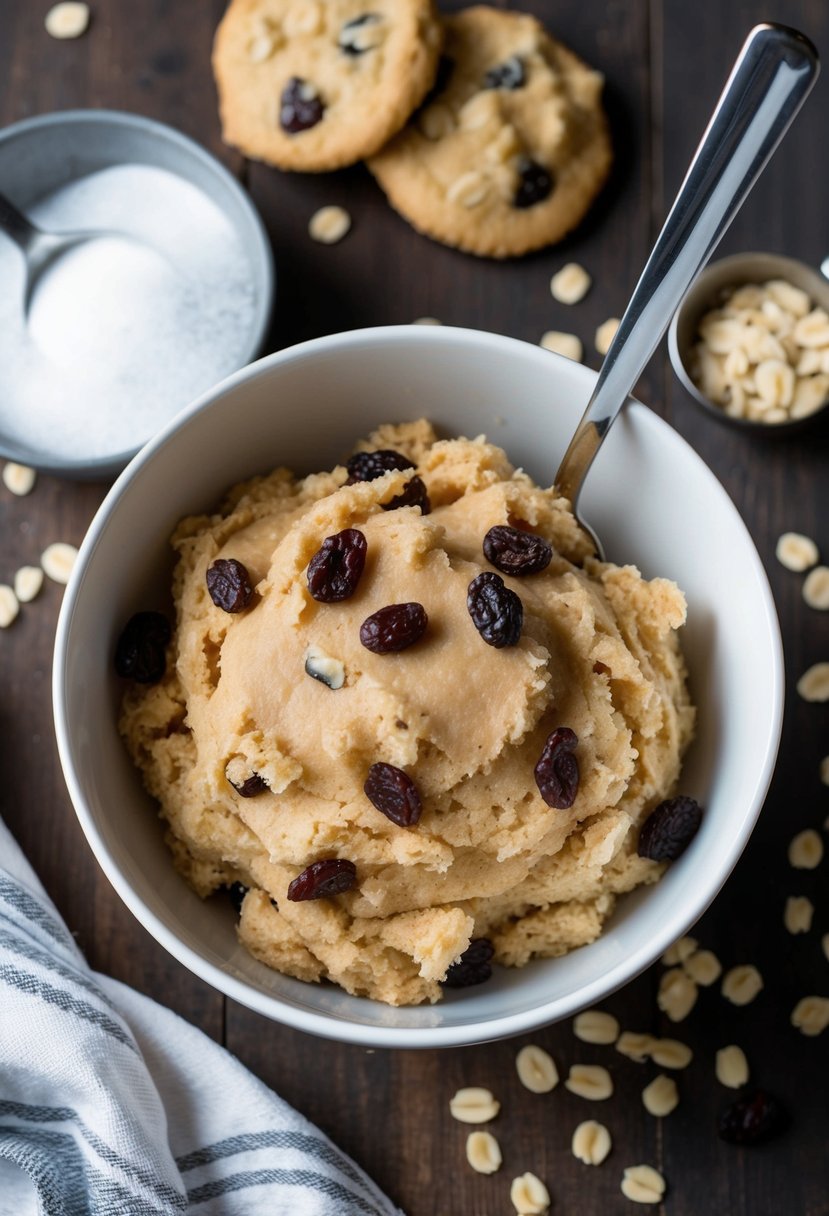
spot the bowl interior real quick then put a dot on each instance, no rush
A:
(653, 502)
(41, 154)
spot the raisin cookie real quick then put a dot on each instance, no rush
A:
(312, 85)
(512, 147)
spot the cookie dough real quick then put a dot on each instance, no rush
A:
(511, 150)
(312, 85)
(466, 721)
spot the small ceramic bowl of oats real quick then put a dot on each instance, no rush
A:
(750, 342)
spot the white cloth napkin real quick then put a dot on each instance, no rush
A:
(111, 1105)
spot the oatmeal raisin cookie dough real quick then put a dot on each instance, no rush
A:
(467, 722)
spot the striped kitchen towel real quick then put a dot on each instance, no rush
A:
(111, 1105)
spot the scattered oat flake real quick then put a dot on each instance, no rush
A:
(796, 551)
(474, 1105)
(634, 1045)
(683, 948)
(591, 1142)
(570, 284)
(596, 1026)
(806, 850)
(57, 561)
(731, 1067)
(703, 967)
(824, 770)
(426, 321)
(563, 344)
(528, 1195)
(19, 478)
(589, 1081)
(661, 1096)
(329, 225)
(605, 334)
(9, 606)
(813, 685)
(67, 20)
(483, 1152)
(824, 941)
(741, 984)
(27, 583)
(643, 1184)
(677, 994)
(798, 913)
(536, 1069)
(816, 588)
(811, 1015)
(670, 1053)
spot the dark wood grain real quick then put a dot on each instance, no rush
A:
(664, 63)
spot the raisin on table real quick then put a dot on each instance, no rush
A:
(754, 1117)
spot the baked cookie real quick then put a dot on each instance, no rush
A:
(510, 150)
(317, 84)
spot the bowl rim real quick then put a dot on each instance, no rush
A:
(738, 261)
(328, 1025)
(105, 466)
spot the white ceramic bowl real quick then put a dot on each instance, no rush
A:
(653, 502)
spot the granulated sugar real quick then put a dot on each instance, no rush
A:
(125, 330)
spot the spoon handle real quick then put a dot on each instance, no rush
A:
(768, 84)
(15, 225)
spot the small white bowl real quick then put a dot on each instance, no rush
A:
(653, 502)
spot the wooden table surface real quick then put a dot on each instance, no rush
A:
(665, 63)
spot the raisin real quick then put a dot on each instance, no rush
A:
(496, 611)
(347, 42)
(473, 967)
(300, 106)
(141, 652)
(413, 495)
(507, 75)
(752, 1118)
(251, 786)
(228, 583)
(393, 793)
(322, 879)
(668, 830)
(557, 771)
(334, 570)
(517, 553)
(367, 466)
(534, 185)
(393, 628)
(236, 893)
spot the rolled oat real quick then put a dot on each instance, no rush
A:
(742, 984)
(806, 850)
(483, 1152)
(643, 1184)
(329, 225)
(816, 588)
(589, 1081)
(474, 1105)
(813, 685)
(536, 1069)
(731, 1067)
(661, 1096)
(798, 913)
(19, 478)
(677, 994)
(528, 1195)
(591, 1142)
(596, 1026)
(811, 1015)
(570, 284)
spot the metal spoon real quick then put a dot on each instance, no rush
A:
(40, 249)
(768, 84)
